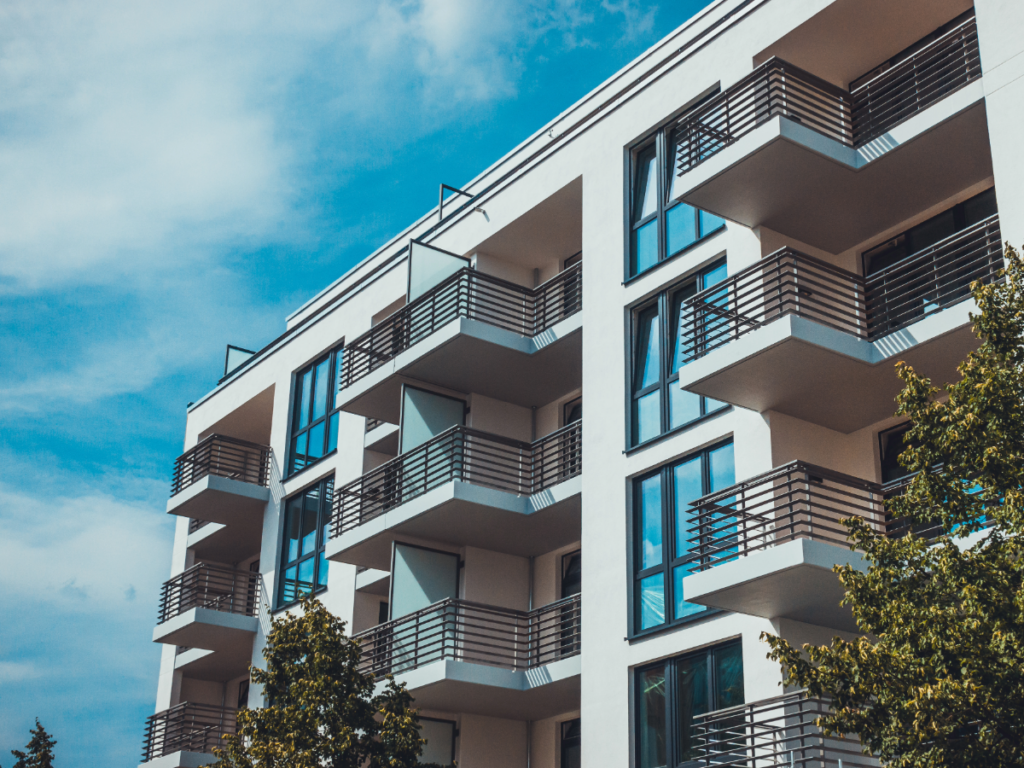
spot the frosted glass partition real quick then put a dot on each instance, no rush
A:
(426, 415)
(440, 738)
(428, 266)
(421, 577)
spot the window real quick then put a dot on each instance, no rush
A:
(572, 744)
(672, 693)
(661, 535)
(660, 228)
(314, 416)
(439, 735)
(658, 404)
(303, 565)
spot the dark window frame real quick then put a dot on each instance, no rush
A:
(660, 142)
(325, 487)
(667, 309)
(455, 732)
(671, 694)
(567, 741)
(331, 415)
(669, 559)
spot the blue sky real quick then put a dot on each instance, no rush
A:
(177, 176)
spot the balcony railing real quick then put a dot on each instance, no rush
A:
(223, 456)
(873, 108)
(187, 728)
(471, 632)
(775, 732)
(470, 294)
(210, 586)
(794, 501)
(195, 524)
(788, 282)
(465, 454)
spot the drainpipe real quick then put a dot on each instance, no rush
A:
(529, 746)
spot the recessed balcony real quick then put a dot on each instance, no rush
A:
(467, 488)
(458, 656)
(210, 607)
(787, 150)
(797, 335)
(471, 333)
(184, 736)
(766, 546)
(222, 480)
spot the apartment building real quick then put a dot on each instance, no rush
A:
(721, 251)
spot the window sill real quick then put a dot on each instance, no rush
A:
(319, 461)
(710, 235)
(676, 431)
(702, 616)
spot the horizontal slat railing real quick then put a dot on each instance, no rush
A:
(794, 501)
(459, 453)
(773, 733)
(935, 278)
(470, 294)
(915, 83)
(195, 524)
(210, 586)
(786, 282)
(854, 119)
(187, 728)
(223, 456)
(472, 632)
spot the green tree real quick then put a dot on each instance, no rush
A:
(938, 677)
(40, 750)
(322, 711)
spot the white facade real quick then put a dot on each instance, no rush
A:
(809, 378)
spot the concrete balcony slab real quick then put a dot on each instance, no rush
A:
(180, 760)
(208, 629)
(216, 666)
(221, 500)
(219, 543)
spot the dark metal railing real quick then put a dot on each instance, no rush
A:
(788, 282)
(195, 524)
(794, 501)
(465, 454)
(210, 586)
(915, 83)
(470, 294)
(472, 632)
(187, 728)
(372, 424)
(223, 456)
(873, 108)
(772, 733)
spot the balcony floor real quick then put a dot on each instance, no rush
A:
(464, 514)
(798, 367)
(800, 183)
(181, 760)
(473, 356)
(208, 629)
(216, 666)
(221, 500)
(226, 544)
(791, 581)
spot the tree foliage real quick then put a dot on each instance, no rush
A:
(322, 712)
(938, 677)
(40, 750)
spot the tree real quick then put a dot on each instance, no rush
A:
(322, 711)
(40, 750)
(938, 677)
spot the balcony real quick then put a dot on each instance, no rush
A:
(766, 547)
(184, 736)
(222, 480)
(471, 333)
(785, 149)
(467, 488)
(212, 608)
(458, 656)
(780, 731)
(797, 335)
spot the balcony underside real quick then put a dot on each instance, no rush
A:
(798, 367)
(791, 581)
(464, 514)
(471, 356)
(215, 666)
(789, 178)
(181, 760)
(532, 694)
(221, 500)
(226, 544)
(208, 629)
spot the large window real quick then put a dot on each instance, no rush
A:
(658, 405)
(303, 565)
(572, 744)
(660, 228)
(672, 693)
(662, 535)
(314, 416)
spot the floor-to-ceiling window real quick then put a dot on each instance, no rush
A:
(314, 415)
(307, 516)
